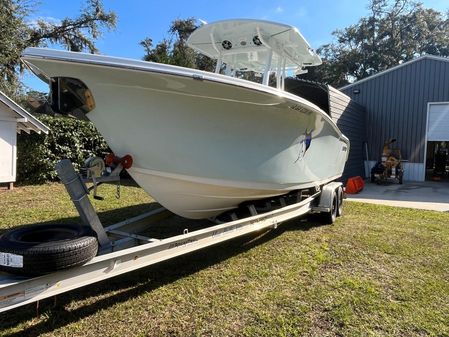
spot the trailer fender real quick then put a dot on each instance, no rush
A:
(329, 201)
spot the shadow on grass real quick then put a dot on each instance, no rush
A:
(140, 281)
(107, 217)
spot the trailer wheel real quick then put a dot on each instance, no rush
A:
(340, 201)
(42, 249)
(329, 217)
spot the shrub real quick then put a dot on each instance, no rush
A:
(69, 138)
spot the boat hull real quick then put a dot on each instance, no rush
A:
(202, 144)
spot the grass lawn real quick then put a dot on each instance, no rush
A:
(378, 271)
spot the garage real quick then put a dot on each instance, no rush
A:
(437, 145)
(410, 103)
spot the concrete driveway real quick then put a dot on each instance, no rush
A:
(427, 195)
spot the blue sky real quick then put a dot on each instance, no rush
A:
(137, 19)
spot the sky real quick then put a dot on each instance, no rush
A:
(137, 19)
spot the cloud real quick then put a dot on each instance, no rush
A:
(301, 12)
(279, 10)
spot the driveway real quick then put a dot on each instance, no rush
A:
(427, 195)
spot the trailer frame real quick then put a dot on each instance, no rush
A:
(125, 250)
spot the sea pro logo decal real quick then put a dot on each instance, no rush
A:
(303, 142)
(300, 108)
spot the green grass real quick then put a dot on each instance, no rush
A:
(378, 271)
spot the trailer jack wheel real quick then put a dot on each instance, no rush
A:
(42, 249)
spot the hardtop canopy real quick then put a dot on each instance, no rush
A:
(247, 44)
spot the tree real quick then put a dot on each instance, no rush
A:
(175, 50)
(182, 55)
(394, 32)
(159, 54)
(13, 35)
(16, 34)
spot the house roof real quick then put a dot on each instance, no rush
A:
(25, 121)
(421, 58)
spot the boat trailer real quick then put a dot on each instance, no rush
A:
(123, 249)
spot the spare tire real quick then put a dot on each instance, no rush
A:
(42, 249)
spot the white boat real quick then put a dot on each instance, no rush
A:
(202, 143)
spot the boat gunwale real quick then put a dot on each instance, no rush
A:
(165, 69)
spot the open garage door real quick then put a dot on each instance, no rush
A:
(437, 158)
(438, 123)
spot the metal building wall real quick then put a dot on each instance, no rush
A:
(350, 118)
(396, 105)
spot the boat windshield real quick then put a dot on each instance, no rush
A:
(261, 47)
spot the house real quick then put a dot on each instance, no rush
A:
(13, 119)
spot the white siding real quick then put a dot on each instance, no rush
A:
(8, 138)
(438, 122)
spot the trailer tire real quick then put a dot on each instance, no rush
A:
(340, 198)
(42, 249)
(329, 217)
